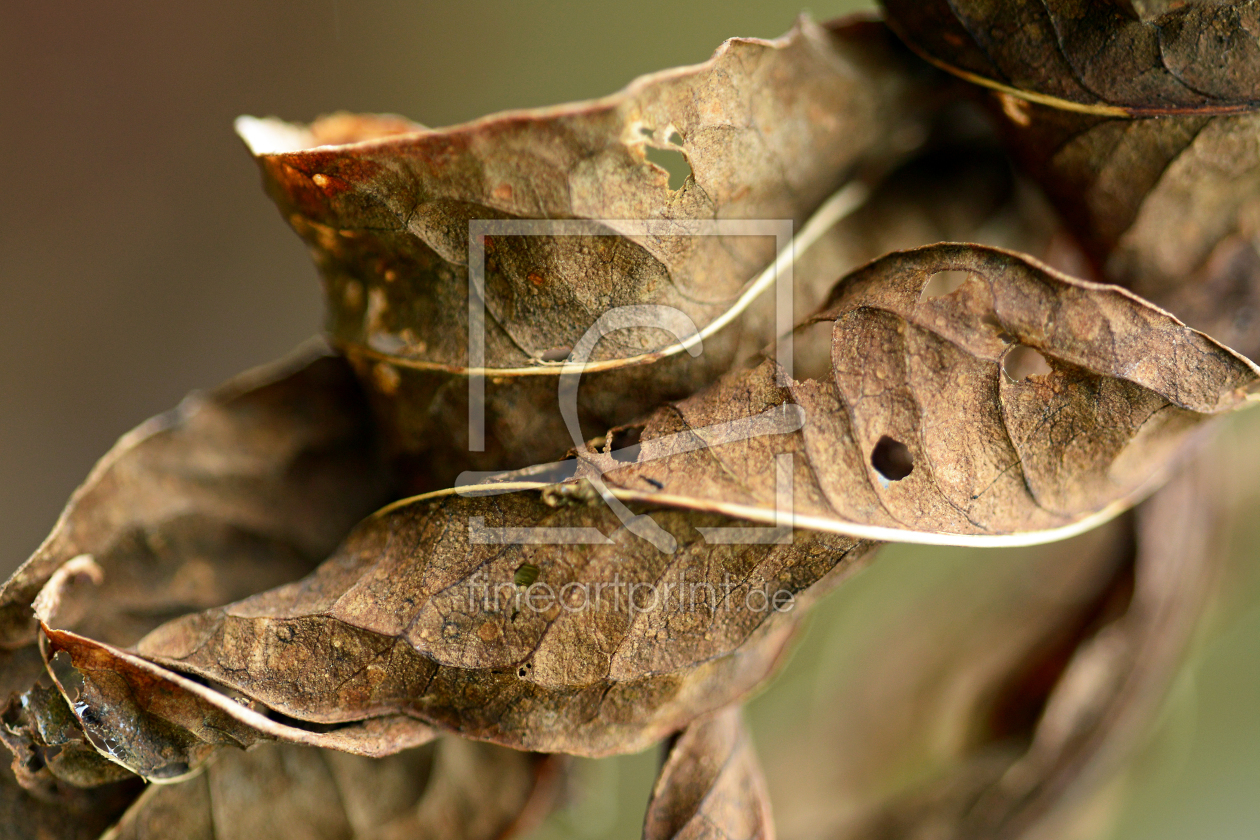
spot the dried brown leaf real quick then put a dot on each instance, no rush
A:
(234, 491)
(900, 213)
(926, 429)
(1095, 57)
(163, 727)
(43, 736)
(710, 786)
(768, 130)
(1167, 207)
(412, 617)
(50, 749)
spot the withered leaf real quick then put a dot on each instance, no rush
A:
(50, 749)
(414, 615)
(234, 491)
(768, 130)
(453, 789)
(1097, 57)
(163, 727)
(43, 736)
(419, 613)
(899, 214)
(926, 429)
(1169, 208)
(1166, 207)
(710, 786)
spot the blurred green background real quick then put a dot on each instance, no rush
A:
(140, 260)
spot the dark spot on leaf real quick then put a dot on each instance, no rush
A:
(525, 575)
(892, 459)
(991, 321)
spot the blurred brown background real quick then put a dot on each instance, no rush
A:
(141, 260)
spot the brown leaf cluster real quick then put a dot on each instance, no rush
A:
(246, 604)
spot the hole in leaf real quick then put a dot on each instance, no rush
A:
(623, 444)
(892, 459)
(672, 160)
(1021, 362)
(944, 283)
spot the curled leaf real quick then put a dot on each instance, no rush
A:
(710, 786)
(767, 130)
(613, 647)
(50, 749)
(1166, 207)
(934, 424)
(162, 726)
(233, 491)
(139, 710)
(1094, 57)
(922, 433)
